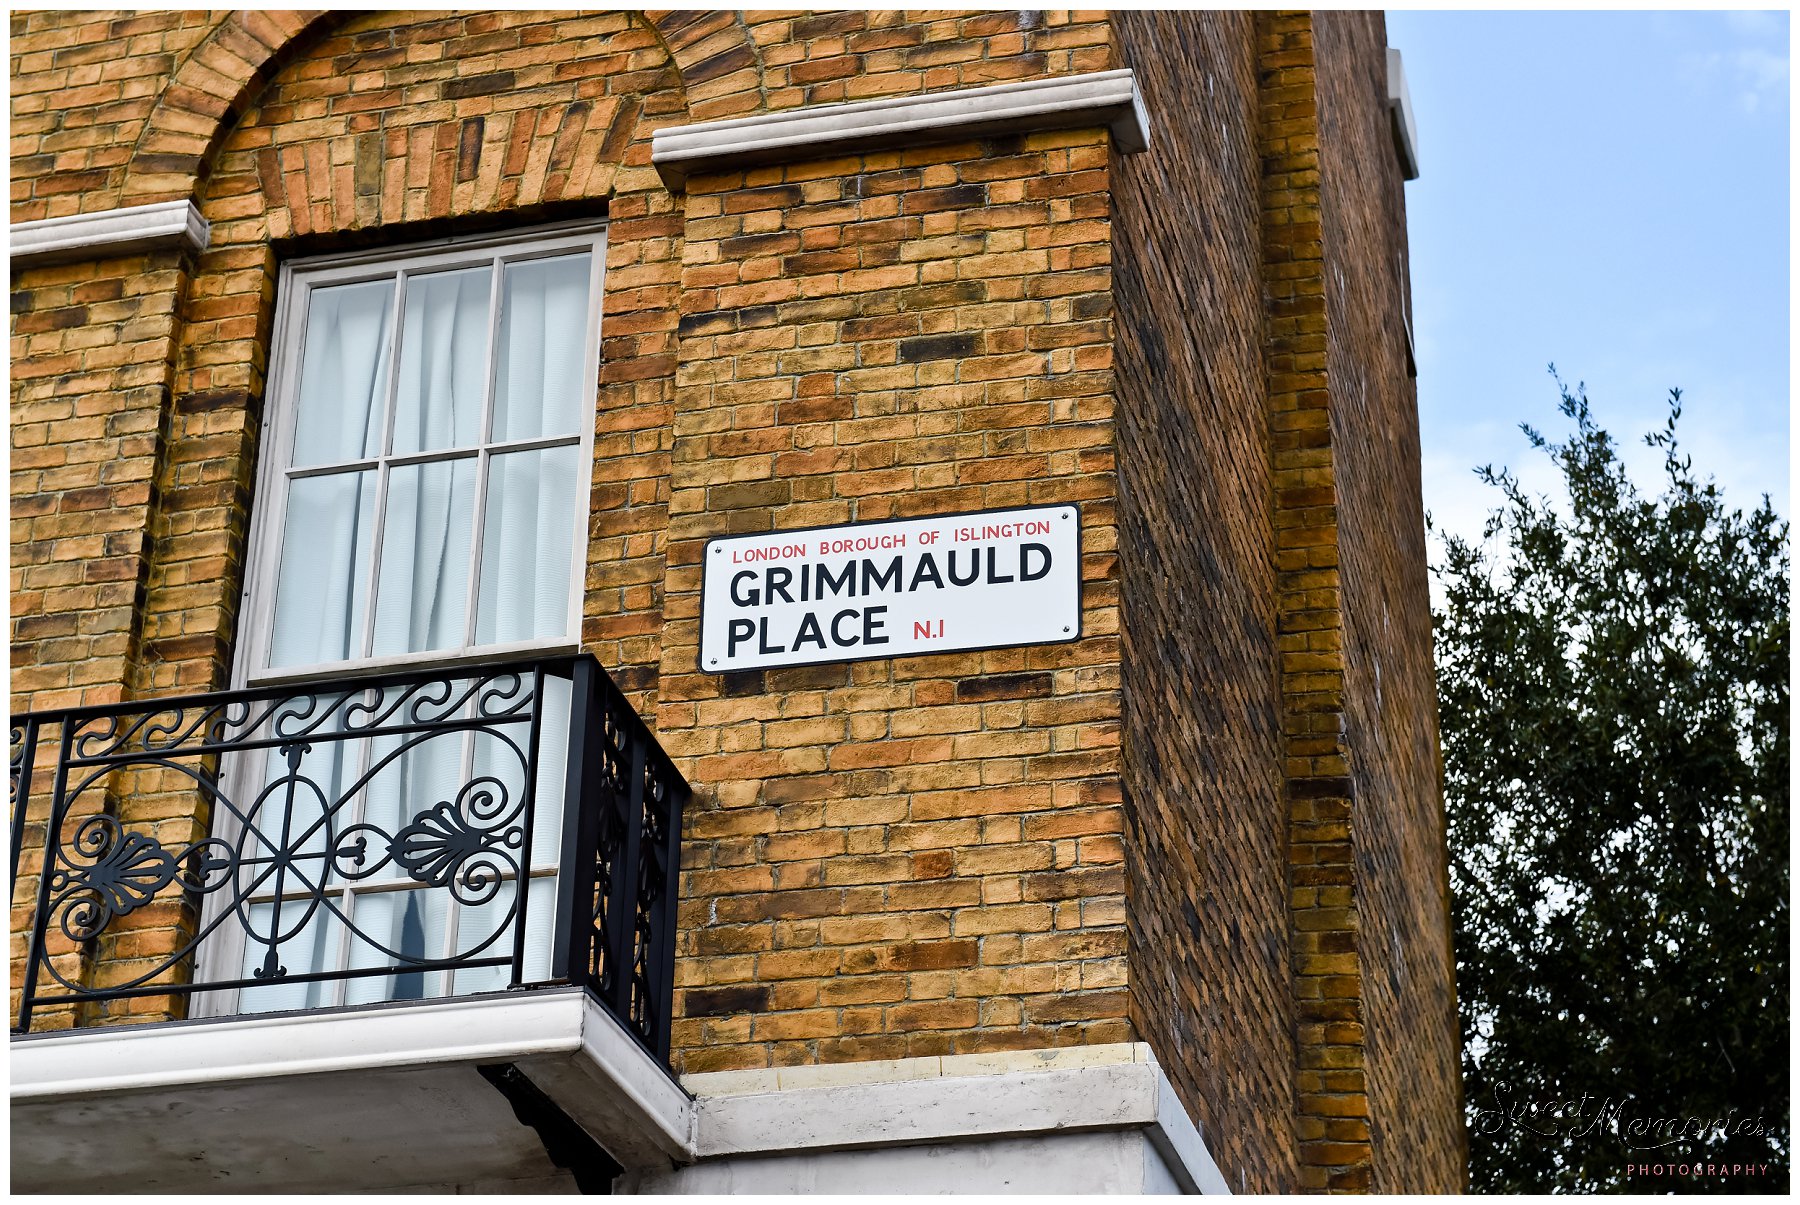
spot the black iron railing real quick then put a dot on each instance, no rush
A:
(394, 837)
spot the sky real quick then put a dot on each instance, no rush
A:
(1607, 191)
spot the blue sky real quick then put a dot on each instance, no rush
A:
(1608, 191)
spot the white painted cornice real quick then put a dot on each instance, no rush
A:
(109, 232)
(1400, 111)
(1101, 98)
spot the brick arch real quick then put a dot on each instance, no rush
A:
(720, 63)
(348, 134)
(457, 168)
(717, 61)
(206, 92)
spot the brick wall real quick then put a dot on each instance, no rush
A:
(1023, 848)
(1390, 712)
(91, 345)
(91, 348)
(1207, 844)
(1332, 1101)
(919, 855)
(1326, 985)
(299, 132)
(83, 86)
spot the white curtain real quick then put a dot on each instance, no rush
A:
(479, 923)
(531, 513)
(543, 337)
(309, 951)
(421, 599)
(443, 350)
(321, 594)
(343, 375)
(531, 506)
(409, 923)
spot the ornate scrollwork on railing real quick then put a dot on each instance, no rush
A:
(634, 856)
(449, 847)
(231, 722)
(125, 872)
(22, 751)
(326, 800)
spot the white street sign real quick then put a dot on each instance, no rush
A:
(991, 579)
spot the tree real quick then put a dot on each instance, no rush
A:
(1613, 687)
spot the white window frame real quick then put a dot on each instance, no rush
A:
(297, 279)
(221, 956)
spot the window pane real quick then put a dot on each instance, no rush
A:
(526, 546)
(443, 358)
(393, 928)
(543, 342)
(322, 587)
(307, 945)
(420, 603)
(343, 380)
(494, 924)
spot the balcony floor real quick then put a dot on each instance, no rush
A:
(369, 1099)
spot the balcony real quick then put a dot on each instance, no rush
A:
(417, 930)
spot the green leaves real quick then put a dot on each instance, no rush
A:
(1613, 682)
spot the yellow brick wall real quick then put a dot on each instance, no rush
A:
(1206, 837)
(295, 132)
(1332, 1124)
(963, 852)
(91, 352)
(918, 855)
(1390, 712)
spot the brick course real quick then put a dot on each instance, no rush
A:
(1064, 845)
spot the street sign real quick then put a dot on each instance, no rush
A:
(895, 588)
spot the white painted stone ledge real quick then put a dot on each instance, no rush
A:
(956, 1098)
(1099, 98)
(109, 232)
